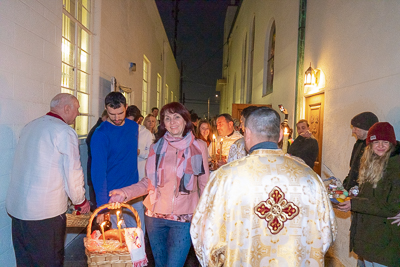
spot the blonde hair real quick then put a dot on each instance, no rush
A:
(372, 166)
(147, 118)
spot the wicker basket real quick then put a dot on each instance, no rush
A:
(80, 221)
(110, 258)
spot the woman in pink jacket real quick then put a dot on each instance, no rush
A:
(176, 174)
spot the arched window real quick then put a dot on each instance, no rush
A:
(270, 61)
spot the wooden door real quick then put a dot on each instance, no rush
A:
(237, 109)
(315, 118)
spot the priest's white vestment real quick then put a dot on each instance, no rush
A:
(266, 209)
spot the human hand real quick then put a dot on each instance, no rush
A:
(117, 195)
(82, 208)
(100, 218)
(115, 206)
(306, 134)
(396, 219)
(344, 206)
(221, 162)
(86, 207)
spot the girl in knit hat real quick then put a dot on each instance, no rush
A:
(372, 236)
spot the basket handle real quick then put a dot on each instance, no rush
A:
(89, 227)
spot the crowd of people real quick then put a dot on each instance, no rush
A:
(257, 205)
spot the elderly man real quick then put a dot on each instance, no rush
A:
(360, 125)
(227, 135)
(265, 209)
(46, 172)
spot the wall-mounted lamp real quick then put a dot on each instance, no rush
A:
(314, 79)
(132, 67)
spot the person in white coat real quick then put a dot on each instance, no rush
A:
(46, 172)
(146, 138)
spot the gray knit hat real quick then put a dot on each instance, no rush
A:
(364, 120)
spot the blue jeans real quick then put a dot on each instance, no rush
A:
(128, 216)
(169, 240)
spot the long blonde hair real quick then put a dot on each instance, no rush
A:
(372, 166)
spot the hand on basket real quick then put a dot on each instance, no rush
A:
(344, 206)
(117, 195)
(100, 218)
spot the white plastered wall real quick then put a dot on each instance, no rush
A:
(30, 69)
(285, 15)
(30, 75)
(126, 31)
(355, 43)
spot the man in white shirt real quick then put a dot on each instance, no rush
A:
(146, 138)
(227, 133)
(46, 172)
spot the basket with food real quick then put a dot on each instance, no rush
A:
(115, 247)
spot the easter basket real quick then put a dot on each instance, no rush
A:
(110, 255)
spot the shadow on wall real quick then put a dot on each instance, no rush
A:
(393, 118)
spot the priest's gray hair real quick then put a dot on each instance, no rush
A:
(265, 123)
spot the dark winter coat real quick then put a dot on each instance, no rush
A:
(372, 236)
(356, 154)
(306, 149)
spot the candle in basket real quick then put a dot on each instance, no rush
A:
(119, 231)
(285, 140)
(102, 231)
(220, 149)
(118, 212)
(213, 147)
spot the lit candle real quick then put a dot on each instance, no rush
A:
(119, 231)
(102, 231)
(285, 140)
(220, 149)
(118, 212)
(213, 147)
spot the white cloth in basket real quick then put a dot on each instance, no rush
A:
(134, 239)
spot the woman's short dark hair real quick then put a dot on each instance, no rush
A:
(174, 107)
(115, 100)
(133, 111)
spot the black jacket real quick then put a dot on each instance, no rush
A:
(356, 154)
(306, 149)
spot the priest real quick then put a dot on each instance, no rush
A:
(266, 209)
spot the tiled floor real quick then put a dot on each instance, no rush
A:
(75, 255)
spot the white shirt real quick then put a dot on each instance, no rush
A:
(46, 171)
(146, 138)
(227, 142)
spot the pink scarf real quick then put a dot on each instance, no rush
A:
(190, 163)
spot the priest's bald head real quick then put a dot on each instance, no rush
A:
(262, 125)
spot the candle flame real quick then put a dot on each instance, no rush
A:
(286, 131)
(222, 139)
(118, 212)
(120, 222)
(213, 136)
(102, 224)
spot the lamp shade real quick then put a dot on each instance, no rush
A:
(309, 77)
